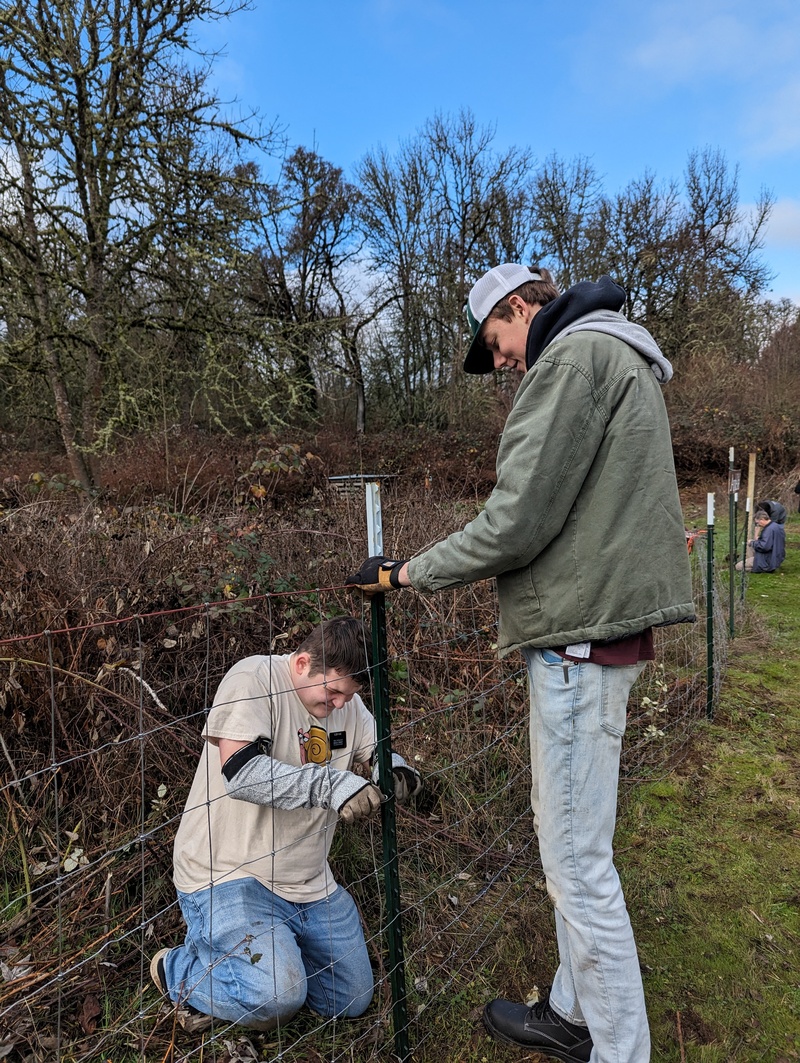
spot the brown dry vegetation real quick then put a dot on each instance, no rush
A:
(97, 761)
(191, 469)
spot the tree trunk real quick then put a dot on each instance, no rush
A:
(55, 375)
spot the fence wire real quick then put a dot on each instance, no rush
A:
(100, 739)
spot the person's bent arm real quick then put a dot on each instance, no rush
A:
(251, 774)
(764, 543)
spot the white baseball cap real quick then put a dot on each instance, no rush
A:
(486, 293)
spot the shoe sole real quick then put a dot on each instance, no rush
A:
(155, 974)
(543, 1050)
(188, 1019)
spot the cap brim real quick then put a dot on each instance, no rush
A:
(479, 359)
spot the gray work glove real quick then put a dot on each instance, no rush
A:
(407, 783)
(407, 780)
(361, 805)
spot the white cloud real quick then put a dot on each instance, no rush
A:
(783, 229)
(680, 50)
(687, 41)
(737, 61)
(773, 125)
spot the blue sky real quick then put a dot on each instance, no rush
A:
(631, 86)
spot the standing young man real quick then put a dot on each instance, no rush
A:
(584, 534)
(268, 929)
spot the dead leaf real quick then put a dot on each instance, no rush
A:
(17, 967)
(240, 1051)
(89, 1013)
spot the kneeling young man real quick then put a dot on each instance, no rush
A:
(268, 928)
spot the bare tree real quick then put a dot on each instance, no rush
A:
(688, 259)
(567, 197)
(634, 234)
(716, 271)
(86, 101)
(437, 214)
(308, 243)
(474, 192)
(394, 211)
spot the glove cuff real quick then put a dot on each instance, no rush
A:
(394, 575)
(345, 786)
(397, 762)
(389, 574)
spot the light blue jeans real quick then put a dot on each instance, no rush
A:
(578, 715)
(252, 958)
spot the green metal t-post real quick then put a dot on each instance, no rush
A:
(710, 610)
(391, 869)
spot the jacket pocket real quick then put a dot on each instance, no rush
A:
(518, 595)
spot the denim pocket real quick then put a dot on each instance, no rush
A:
(614, 716)
(549, 657)
(617, 683)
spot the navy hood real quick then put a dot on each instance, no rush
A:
(578, 301)
(594, 307)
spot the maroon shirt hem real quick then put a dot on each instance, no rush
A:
(630, 650)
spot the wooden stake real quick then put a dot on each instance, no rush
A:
(751, 494)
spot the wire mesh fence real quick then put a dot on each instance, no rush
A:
(101, 733)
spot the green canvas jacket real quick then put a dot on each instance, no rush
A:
(584, 530)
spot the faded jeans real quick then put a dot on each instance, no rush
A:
(578, 714)
(253, 958)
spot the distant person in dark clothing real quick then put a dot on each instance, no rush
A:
(797, 492)
(766, 552)
(774, 510)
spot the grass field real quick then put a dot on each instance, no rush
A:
(710, 855)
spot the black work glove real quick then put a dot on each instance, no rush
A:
(407, 783)
(378, 573)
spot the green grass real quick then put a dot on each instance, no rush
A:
(710, 856)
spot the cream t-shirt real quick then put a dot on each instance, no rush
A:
(219, 838)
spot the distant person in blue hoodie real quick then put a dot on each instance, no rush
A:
(766, 552)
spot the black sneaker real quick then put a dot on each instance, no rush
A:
(189, 1018)
(538, 1027)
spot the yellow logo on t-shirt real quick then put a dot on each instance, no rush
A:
(314, 748)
